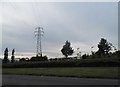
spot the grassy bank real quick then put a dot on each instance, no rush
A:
(94, 72)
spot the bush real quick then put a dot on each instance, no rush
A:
(44, 58)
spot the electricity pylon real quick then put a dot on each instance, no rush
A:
(38, 34)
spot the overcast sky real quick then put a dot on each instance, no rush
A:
(81, 23)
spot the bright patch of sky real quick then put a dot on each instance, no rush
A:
(81, 23)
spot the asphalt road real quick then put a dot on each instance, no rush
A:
(47, 80)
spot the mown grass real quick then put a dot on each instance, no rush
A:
(91, 72)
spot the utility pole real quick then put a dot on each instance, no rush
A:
(92, 49)
(78, 53)
(39, 33)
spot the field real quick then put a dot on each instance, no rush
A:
(86, 72)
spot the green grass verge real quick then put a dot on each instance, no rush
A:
(91, 72)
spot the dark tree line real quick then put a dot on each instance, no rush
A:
(5, 60)
(104, 50)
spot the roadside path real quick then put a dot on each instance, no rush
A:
(48, 80)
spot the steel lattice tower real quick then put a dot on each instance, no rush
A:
(39, 33)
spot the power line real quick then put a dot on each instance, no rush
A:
(39, 33)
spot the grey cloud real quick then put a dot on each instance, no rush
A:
(80, 22)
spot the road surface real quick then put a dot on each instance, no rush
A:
(48, 80)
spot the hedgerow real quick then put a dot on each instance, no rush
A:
(98, 62)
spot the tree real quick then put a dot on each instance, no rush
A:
(116, 54)
(104, 47)
(67, 50)
(22, 59)
(13, 57)
(85, 56)
(5, 60)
